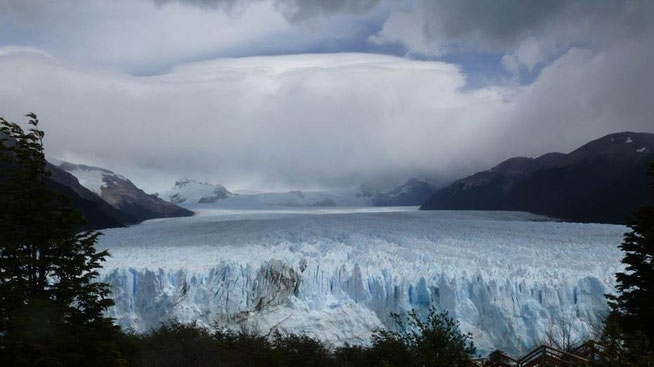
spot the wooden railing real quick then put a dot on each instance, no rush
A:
(551, 357)
(589, 350)
(547, 356)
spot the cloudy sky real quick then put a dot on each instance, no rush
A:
(312, 94)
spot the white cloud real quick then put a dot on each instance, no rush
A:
(406, 29)
(528, 55)
(304, 120)
(321, 120)
(143, 36)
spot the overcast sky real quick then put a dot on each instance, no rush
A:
(313, 94)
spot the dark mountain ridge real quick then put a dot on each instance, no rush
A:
(120, 193)
(602, 181)
(97, 212)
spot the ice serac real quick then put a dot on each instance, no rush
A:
(509, 278)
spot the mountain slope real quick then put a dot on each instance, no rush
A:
(602, 181)
(200, 195)
(193, 192)
(97, 212)
(120, 193)
(413, 192)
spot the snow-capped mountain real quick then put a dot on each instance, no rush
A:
(194, 194)
(93, 178)
(97, 212)
(509, 278)
(603, 181)
(119, 192)
(186, 191)
(414, 192)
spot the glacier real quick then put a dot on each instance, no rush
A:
(509, 278)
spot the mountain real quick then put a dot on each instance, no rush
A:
(603, 181)
(413, 192)
(120, 193)
(200, 195)
(193, 192)
(97, 213)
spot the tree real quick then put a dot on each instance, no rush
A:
(51, 307)
(620, 349)
(633, 307)
(435, 341)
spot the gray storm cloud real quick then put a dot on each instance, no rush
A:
(527, 32)
(294, 10)
(444, 25)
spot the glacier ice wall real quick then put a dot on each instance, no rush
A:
(508, 278)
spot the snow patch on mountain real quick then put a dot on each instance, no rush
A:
(93, 178)
(186, 191)
(508, 277)
(197, 195)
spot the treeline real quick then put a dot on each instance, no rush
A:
(431, 341)
(52, 308)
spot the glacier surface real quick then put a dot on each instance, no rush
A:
(509, 278)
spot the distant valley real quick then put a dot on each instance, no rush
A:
(602, 181)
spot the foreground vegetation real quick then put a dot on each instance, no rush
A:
(52, 307)
(433, 342)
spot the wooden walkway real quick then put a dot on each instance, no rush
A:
(547, 356)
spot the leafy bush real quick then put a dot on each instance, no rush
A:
(436, 341)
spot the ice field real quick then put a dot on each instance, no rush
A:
(336, 274)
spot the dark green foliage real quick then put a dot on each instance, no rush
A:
(353, 355)
(623, 349)
(497, 358)
(176, 344)
(432, 341)
(629, 329)
(51, 310)
(435, 341)
(300, 350)
(633, 307)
